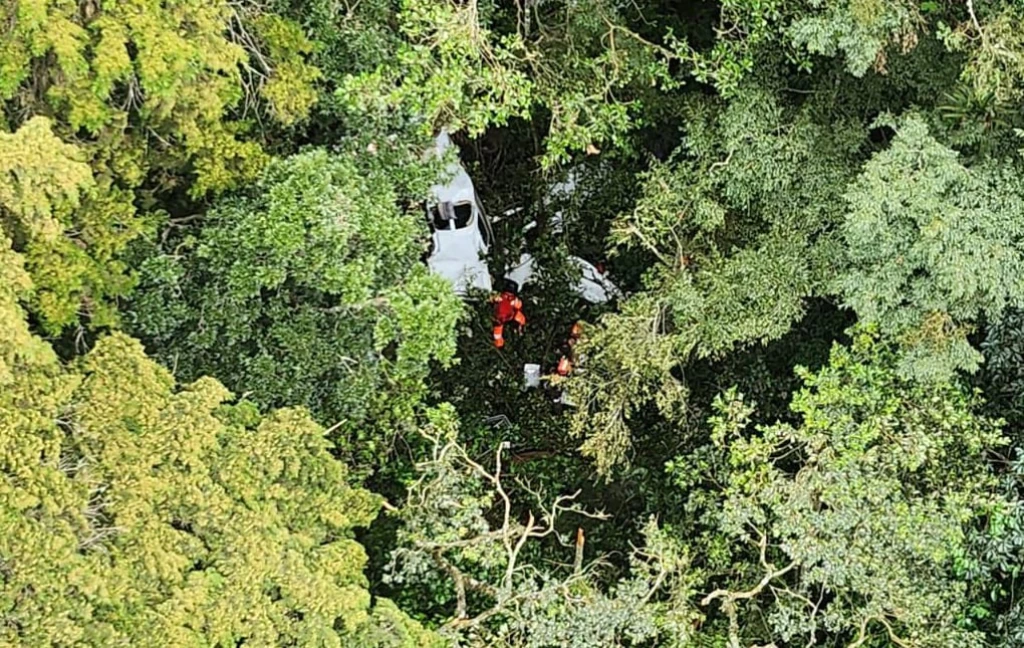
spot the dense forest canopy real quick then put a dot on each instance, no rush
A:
(238, 407)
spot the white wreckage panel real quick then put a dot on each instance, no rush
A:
(458, 242)
(593, 286)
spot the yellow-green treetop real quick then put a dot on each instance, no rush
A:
(149, 92)
(139, 513)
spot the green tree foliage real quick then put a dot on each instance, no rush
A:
(992, 41)
(932, 246)
(21, 350)
(761, 174)
(1001, 375)
(150, 93)
(995, 578)
(42, 182)
(307, 289)
(770, 200)
(858, 514)
(867, 35)
(135, 512)
(469, 65)
(863, 32)
(178, 69)
(736, 225)
(461, 528)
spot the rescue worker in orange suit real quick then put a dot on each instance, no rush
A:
(565, 362)
(507, 308)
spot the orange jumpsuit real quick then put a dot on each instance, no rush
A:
(507, 308)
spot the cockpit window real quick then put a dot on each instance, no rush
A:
(437, 218)
(463, 212)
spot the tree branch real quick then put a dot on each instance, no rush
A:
(730, 597)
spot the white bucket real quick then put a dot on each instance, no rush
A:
(531, 375)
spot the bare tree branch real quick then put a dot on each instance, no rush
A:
(730, 597)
